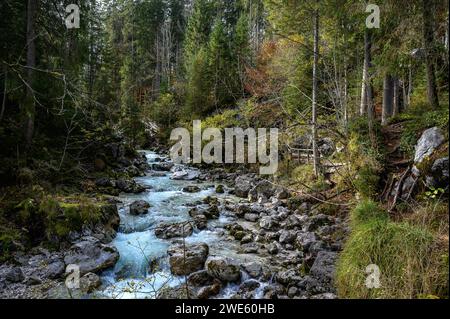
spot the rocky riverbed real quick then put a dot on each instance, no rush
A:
(185, 233)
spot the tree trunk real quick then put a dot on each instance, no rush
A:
(363, 105)
(314, 94)
(396, 97)
(368, 86)
(428, 35)
(388, 95)
(31, 64)
(5, 91)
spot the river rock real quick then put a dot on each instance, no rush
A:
(191, 189)
(323, 269)
(168, 231)
(91, 255)
(212, 212)
(90, 282)
(251, 217)
(129, 186)
(247, 289)
(253, 269)
(428, 142)
(185, 175)
(267, 223)
(209, 291)
(200, 221)
(200, 278)
(262, 190)
(139, 207)
(11, 274)
(162, 166)
(220, 189)
(224, 269)
(185, 260)
(242, 186)
(287, 237)
(273, 248)
(304, 240)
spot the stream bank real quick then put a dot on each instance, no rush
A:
(195, 234)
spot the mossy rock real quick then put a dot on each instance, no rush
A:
(67, 214)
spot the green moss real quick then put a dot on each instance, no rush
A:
(7, 238)
(63, 217)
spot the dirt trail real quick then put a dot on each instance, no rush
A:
(397, 165)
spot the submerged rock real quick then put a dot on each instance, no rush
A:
(191, 189)
(139, 207)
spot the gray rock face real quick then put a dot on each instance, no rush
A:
(224, 269)
(168, 231)
(428, 142)
(91, 255)
(139, 207)
(186, 261)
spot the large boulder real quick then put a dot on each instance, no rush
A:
(129, 186)
(168, 231)
(263, 189)
(438, 177)
(139, 207)
(428, 142)
(185, 260)
(224, 269)
(242, 186)
(90, 255)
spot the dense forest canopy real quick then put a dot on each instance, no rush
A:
(364, 80)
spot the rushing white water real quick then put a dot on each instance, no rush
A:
(142, 270)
